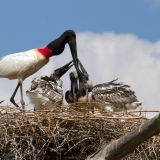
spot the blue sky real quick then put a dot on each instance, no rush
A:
(33, 23)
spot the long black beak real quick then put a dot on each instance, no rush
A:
(62, 70)
(73, 48)
(58, 73)
(74, 85)
(85, 74)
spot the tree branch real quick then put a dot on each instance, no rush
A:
(127, 143)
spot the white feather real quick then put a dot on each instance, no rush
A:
(21, 65)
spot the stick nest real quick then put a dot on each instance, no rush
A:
(67, 132)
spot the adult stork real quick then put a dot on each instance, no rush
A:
(46, 92)
(117, 95)
(23, 64)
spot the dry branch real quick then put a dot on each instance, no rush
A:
(126, 144)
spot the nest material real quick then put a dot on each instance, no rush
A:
(67, 133)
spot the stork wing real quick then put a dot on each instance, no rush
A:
(114, 93)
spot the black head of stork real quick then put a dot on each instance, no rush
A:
(57, 46)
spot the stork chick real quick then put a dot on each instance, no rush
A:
(46, 92)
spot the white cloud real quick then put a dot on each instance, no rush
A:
(107, 56)
(133, 60)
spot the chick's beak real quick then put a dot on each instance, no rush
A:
(74, 85)
(62, 70)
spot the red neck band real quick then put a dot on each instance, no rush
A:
(45, 52)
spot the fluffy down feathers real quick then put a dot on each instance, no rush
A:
(45, 94)
(118, 95)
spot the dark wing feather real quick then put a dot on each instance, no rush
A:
(114, 93)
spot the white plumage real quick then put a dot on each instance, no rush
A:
(21, 65)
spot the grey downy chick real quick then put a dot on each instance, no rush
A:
(46, 92)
